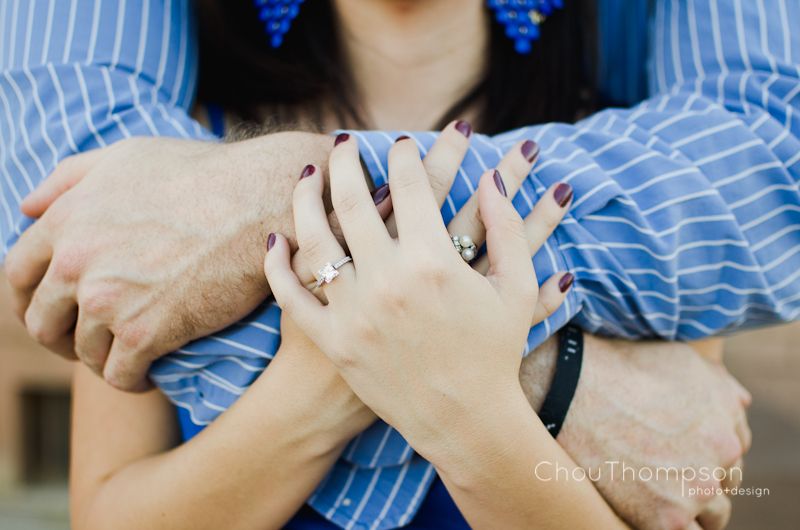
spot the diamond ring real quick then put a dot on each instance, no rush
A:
(330, 271)
(465, 246)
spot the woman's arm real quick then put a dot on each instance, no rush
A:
(252, 468)
(507, 471)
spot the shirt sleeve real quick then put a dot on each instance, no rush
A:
(686, 218)
(80, 74)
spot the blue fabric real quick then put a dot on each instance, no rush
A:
(437, 511)
(685, 224)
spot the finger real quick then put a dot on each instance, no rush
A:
(734, 476)
(363, 228)
(510, 267)
(515, 167)
(543, 219)
(20, 300)
(744, 433)
(547, 214)
(551, 295)
(716, 513)
(64, 347)
(28, 260)
(52, 312)
(126, 368)
(415, 208)
(67, 173)
(92, 342)
(745, 398)
(293, 298)
(315, 239)
(383, 202)
(444, 158)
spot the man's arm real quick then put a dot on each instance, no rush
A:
(83, 74)
(686, 212)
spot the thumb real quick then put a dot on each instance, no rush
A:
(67, 174)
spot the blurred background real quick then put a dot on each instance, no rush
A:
(34, 427)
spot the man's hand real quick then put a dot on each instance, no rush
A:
(153, 243)
(643, 407)
(146, 245)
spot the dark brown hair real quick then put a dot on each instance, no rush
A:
(240, 71)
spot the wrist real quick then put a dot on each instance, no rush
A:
(469, 451)
(537, 370)
(325, 412)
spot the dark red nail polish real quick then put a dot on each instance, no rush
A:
(271, 241)
(498, 180)
(380, 194)
(464, 128)
(307, 171)
(563, 194)
(343, 137)
(400, 138)
(530, 150)
(566, 282)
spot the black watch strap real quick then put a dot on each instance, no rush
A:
(565, 381)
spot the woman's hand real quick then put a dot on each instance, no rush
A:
(418, 335)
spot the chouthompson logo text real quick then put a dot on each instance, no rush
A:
(695, 481)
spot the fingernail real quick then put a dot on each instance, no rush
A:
(530, 150)
(380, 194)
(566, 282)
(562, 194)
(498, 180)
(307, 171)
(464, 128)
(400, 138)
(342, 137)
(271, 241)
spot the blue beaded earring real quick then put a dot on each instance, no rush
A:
(521, 18)
(277, 16)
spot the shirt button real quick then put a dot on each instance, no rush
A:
(346, 502)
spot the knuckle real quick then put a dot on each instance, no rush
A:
(473, 220)
(336, 227)
(133, 337)
(528, 290)
(67, 164)
(311, 247)
(38, 328)
(118, 377)
(344, 359)
(431, 272)
(674, 518)
(729, 448)
(406, 178)
(367, 331)
(513, 228)
(440, 176)
(393, 297)
(97, 300)
(34, 326)
(67, 264)
(346, 204)
(16, 270)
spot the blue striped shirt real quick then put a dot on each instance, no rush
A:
(685, 224)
